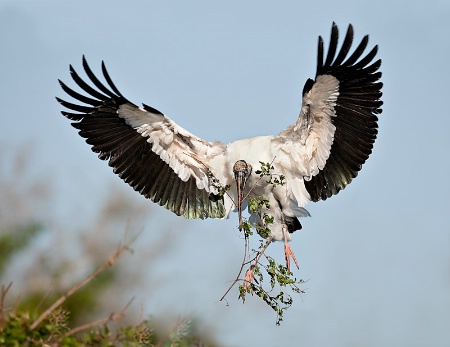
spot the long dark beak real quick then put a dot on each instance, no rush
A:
(241, 179)
(242, 171)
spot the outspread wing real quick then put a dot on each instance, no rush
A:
(149, 151)
(337, 125)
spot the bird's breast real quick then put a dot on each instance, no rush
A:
(253, 151)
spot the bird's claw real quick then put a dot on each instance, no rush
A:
(248, 279)
(288, 253)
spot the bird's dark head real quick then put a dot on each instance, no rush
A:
(242, 170)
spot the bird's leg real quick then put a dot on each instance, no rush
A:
(248, 279)
(249, 275)
(288, 253)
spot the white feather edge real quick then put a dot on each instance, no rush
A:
(301, 150)
(166, 139)
(305, 146)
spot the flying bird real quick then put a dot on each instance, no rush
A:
(318, 155)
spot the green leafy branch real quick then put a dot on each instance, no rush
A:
(272, 178)
(257, 205)
(215, 183)
(281, 280)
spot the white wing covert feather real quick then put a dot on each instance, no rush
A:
(150, 152)
(337, 126)
(185, 153)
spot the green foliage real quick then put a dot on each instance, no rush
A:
(81, 304)
(83, 301)
(272, 178)
(215, 183)
(49, 305)
(246, 227)
(281, 281)
(257, 205)
(65, 325)
(53, 331)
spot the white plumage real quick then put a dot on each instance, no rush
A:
(318, 155)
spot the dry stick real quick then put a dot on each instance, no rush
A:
(112, 317)
(259, 179)
(260, 252)
(252, 188)
(4, 291)
(141, 309)
(45, 296)
(110, 262)
(239, 273)
(254, 262)
(16, 303)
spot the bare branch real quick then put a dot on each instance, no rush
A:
(45, 296)
(112, 317)
(109, 263)
(256, 260)
(17, 302)
(257, 181)
(239, 273)
(253, 263)
(4, 291)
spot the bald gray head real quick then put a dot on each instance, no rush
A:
(242, 170)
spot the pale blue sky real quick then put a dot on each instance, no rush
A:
(377, 256)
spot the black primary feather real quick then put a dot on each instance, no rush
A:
(357, 106)
(130, 154)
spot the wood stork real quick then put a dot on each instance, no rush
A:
(318, 155)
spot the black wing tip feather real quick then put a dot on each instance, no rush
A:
(358, 104)
(308, 86)
(331, 60)
(152, 109)
(127, 152)
(109, 80)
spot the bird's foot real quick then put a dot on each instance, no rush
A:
(288, 253)
(248, 279)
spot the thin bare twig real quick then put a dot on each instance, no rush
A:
(246, 247)
(253, 264)
(256, 260)
(112, 317)
(109, 263)
(45, 296)
(141, 310)
(239, 273)
(16, 303)
(256, 182)
(4, 291)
